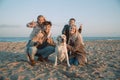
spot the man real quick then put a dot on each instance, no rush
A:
(47, 46)
(37, 26)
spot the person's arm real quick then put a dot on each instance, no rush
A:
(51, 42)
(80, 28)
(70, 48)
(31, 24)
(76, 47)
(64, 29)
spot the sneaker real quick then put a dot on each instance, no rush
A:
(46, 59)
(33, 62)
(40, 58)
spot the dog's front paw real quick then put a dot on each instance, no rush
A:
(69, 65)
(54, 65)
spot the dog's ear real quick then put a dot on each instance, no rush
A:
(58, 38)
(64, 36)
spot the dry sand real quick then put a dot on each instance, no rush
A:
(103, 63)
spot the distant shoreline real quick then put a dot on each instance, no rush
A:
(25, 39)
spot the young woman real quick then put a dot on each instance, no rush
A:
(37, 26)
(75, 46)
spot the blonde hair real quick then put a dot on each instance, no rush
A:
(41, 16)
(76, 30)
(75, 35)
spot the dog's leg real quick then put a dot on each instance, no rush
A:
(55, 61)
(67, 59)
(86, 60)
(56, 54)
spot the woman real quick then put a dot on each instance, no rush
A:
(75, 46)
(37, 26)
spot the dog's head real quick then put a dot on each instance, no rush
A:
(61, 39)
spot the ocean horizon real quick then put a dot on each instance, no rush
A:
(25, 39)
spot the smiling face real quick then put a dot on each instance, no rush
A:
(61, 38)
(71, 22)
(47, 28)
(40, 19)
(72, 30)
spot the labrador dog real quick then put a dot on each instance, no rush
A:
(61, 52)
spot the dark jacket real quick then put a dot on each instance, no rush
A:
(66, 32)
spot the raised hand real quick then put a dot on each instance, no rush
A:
(81, 26)
(32, 24)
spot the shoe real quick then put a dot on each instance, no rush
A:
(33, 62)
(40, 58)
(46, 59)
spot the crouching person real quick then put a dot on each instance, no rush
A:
(31, 51)
(31, 47)
(47, 46)
(42, 45)
(75, 46)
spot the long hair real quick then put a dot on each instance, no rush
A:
(76, 35)
(41, 16)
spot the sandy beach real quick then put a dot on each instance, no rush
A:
(103, 63)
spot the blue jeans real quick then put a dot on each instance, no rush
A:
(46, 51)
(74, 61)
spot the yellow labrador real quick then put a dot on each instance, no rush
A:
(61, 52)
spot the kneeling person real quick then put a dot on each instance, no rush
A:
(32, 45)
(75, 46)
(41, 45)
(47, 46)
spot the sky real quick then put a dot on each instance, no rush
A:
(100, 18)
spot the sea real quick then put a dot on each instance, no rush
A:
(25, 39)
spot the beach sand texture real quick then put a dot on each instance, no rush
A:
(103, 63)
